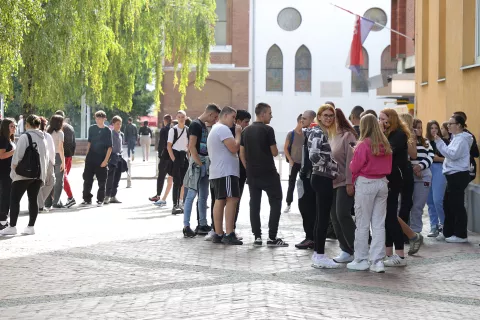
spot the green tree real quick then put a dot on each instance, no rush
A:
(98, 47)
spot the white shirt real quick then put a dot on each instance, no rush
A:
(457, 153)
(50, 148)
(20, 128)
(182, 143)
(223, 163)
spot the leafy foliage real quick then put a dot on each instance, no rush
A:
(102, 47)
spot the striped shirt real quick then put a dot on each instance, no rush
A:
(424, 155)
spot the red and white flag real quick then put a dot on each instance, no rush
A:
(360, 32)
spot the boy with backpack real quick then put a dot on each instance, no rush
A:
(293, 155)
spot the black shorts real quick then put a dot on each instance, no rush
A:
(226, 187)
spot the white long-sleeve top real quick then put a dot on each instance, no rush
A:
(457, 153)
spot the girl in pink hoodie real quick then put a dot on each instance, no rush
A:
(371, 163)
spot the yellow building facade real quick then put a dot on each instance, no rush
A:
(447, 71)
(447, 39)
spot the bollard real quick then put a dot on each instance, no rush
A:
(280, 165)
(129, 174)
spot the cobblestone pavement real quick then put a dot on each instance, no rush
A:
(130, 261)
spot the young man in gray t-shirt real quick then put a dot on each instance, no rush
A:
(224, 174)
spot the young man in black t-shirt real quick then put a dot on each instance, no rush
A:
(257, 149)
(196, 179)
(98, 153)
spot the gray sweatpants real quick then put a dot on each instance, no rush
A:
(421, 188)
(47, 188)
(342, 220)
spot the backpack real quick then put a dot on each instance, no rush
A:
(292, 136)
(29, 166)
(165, 155)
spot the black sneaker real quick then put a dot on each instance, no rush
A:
(188, 233)
(99, 203)
(217, 239)
(231, 239)
(276, 243)
(176, 210)
(3, 226)
(258, 242)
(70, 202)
(86, 203)
(305, 244)
(203, 230)
(58, 206)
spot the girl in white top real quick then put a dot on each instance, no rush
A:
(55, 130)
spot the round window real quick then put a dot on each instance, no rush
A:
(289, 19)
(377, 15)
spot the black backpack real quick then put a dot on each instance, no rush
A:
(29, 166)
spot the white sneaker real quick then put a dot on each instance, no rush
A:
(440, 237)
(8, 231)
(29, 231)
(287, 209)
(378, 267)
(455, 239)
(160, 203)
(321, 261)
(209, 235)
(359, 265)
(395, 261)
(344, 257)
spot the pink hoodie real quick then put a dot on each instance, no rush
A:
(365, 164)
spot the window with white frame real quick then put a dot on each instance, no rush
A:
(221, 25)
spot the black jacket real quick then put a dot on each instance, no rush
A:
(399, 143)
(162, 141)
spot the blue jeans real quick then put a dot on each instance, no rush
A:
(132, 141)
(203, 184)
(435, 197)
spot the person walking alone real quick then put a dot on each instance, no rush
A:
(99, 149)
(258, 147)
(145, 139)
(34, 141)
(69, 146)
(7, 149)
(131, 136)
(293, 154)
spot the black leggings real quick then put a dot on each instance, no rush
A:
(5, 187)
(19, 187)
(406, 202)
(162, 174)
(394, 233)
(323, 188)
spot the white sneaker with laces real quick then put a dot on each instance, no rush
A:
(359, 265)
(29, 231)
(321, 261)
(209, 235)
(287, 209)
(455, 239)
(395, 261)
(377, 267)
(440, 237)
(344, 257)
(9, 231)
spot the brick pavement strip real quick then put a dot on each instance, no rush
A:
(131, 261)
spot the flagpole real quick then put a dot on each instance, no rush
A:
(378, 24)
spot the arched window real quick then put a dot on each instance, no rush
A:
(303, 70)
(360, 79)
(274, 69)
(389, 65)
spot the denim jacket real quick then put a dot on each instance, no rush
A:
(194, 172)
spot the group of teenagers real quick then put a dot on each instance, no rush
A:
(368, 178)
(39, 162)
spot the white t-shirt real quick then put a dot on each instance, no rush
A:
(58, 137)
(182, 142)
(223, 163)
(50, 148)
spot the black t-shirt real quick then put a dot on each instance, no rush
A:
(399, 143)
(199, 129)
(243, 172)
(100, 140)
(257, 139)
(145, 131)
(5, 164)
